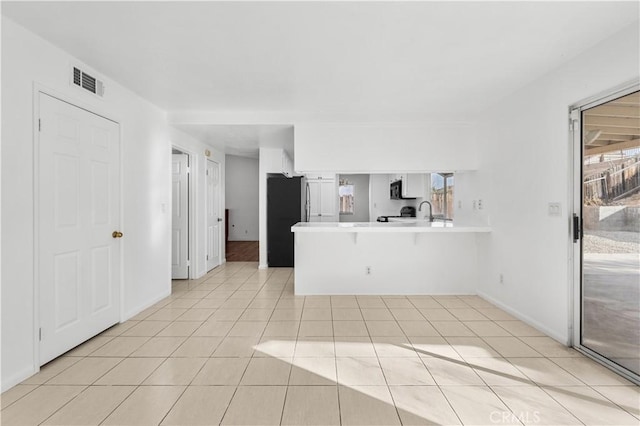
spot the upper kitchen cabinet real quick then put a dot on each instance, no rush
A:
(287, 164)
(413, 184)
(385, 148)
(277, 160)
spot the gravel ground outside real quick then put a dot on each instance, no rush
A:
(611, 242)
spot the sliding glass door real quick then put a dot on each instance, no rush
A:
(607, 230)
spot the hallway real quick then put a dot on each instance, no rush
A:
(242, 251)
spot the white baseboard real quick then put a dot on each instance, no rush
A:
(377, 293)
(135, 311)
(263, 266)
(564, 339)
(9, 382)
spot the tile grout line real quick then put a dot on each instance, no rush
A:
(491, 388)
(199, 370)
(613, 402)
(210, 356)
(286, 391)
(384, 376)
(543, 389)
(136, 387)
(480, 377)
(36, 386)
(467, 364)
(335, 359)
(250, 358)
(66, 403)
(88, 387)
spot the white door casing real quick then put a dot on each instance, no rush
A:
(213, 214)
(78, 187)
(180, 216)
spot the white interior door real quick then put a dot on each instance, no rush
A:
(180, 217)
(214, 219)
(78, 225)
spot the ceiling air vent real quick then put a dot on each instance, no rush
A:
(84, 80)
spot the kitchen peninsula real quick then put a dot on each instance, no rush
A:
(386, 258)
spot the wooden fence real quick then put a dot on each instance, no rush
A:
(438, 201)
(617, 182)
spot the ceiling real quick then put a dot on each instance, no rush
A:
(322, 61)
(241, 140)
(613, 126)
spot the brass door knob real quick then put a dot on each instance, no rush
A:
(117, 234)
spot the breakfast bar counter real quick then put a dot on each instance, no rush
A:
(377, 258)
(419, 226)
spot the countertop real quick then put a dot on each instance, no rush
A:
(389, 227)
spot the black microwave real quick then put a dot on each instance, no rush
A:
(395, 191)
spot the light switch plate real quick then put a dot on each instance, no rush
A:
(554, 209)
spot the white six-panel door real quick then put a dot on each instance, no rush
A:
(214, 221)
(180, 217)
(78, 214)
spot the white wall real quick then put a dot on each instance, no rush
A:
(242, 197)
(384, 148)
(361, 198)
(196, 149)
(466, 191)
(524, 164)
(146, 196)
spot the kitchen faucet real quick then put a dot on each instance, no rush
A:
(430, 210)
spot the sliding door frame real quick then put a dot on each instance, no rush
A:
(576, 275)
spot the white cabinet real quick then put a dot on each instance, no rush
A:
(323, 194)
(287, 164)
(413, 184)
(276, 160)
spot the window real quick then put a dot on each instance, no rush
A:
(442, 195)
(346, 192)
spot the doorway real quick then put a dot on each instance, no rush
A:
(214, 217)
(180, 208)
(78, 233)
(241, 233)
(606, 230)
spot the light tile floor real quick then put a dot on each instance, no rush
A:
(238, 347)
